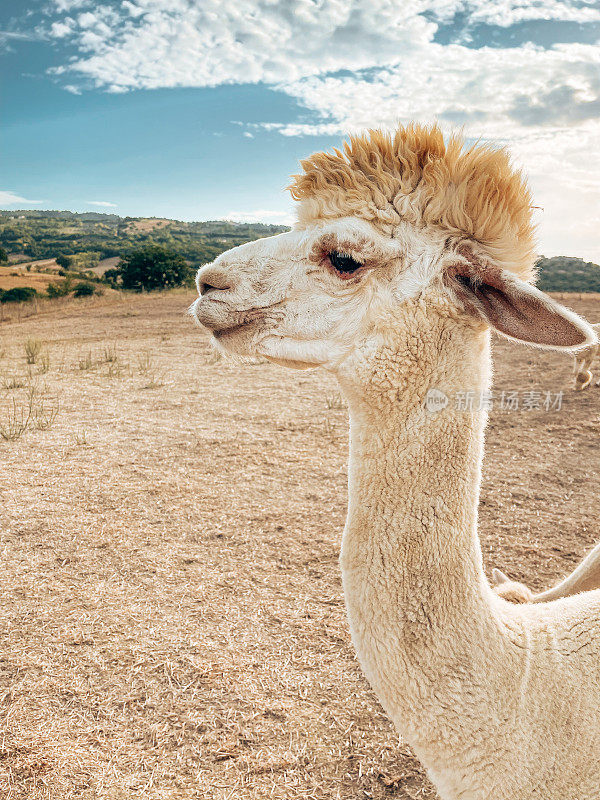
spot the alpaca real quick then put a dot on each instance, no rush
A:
(583, 361)
(407, 251)
(585, 577)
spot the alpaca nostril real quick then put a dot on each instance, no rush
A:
(205, 288)
(214, 283)
(213, 280)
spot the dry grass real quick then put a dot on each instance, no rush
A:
(106, 264)
(171, 615)
(146, 225)
(28, 411)
(33, 348)
(40, 306)
(16, 275)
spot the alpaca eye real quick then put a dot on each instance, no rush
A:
(343, 263)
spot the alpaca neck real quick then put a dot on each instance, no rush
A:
(411, 561)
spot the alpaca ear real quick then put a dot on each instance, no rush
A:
(517, 309)
(499, 577)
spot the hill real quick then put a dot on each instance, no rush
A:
(96, 237)
(566, 274)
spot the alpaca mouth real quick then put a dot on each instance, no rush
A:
(219, 332)
(220, 319)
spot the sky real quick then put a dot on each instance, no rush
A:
(202, 109)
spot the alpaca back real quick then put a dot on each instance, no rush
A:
(556, 724)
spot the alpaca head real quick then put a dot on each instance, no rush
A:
(389, 224)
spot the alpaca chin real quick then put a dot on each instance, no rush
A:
(289, 363)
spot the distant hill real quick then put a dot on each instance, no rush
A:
(566, 274)
(47, 234)
(97, 237)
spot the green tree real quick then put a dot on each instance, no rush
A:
(63, 261)
(84, 289)
(19, 294)
(112, 276)
(3, 255)
(567, 274)
(154, 267)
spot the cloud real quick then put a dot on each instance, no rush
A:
(560, 106)
(152, 43)
(101, 203)
(69, 5)
(490, 90)
(11, 199)
(10, 38)
(351, 64)
(509, 13)
(18, 35)
(262, 215)
(59, 30)
(163, 43)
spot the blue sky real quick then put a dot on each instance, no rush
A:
(201, 109)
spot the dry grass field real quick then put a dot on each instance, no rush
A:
(148, 224)
(16, 275)
(171, 617)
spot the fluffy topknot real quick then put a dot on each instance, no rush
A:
(414, 175)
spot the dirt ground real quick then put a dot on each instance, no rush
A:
(171, 616)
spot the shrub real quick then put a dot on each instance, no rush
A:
(33, 348)
(19, 294)
(154, 267)
(63, 261)
(83, 289)
(54, 290)
(112, 276)
(27, 414)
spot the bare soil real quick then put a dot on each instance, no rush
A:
(171, 615)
